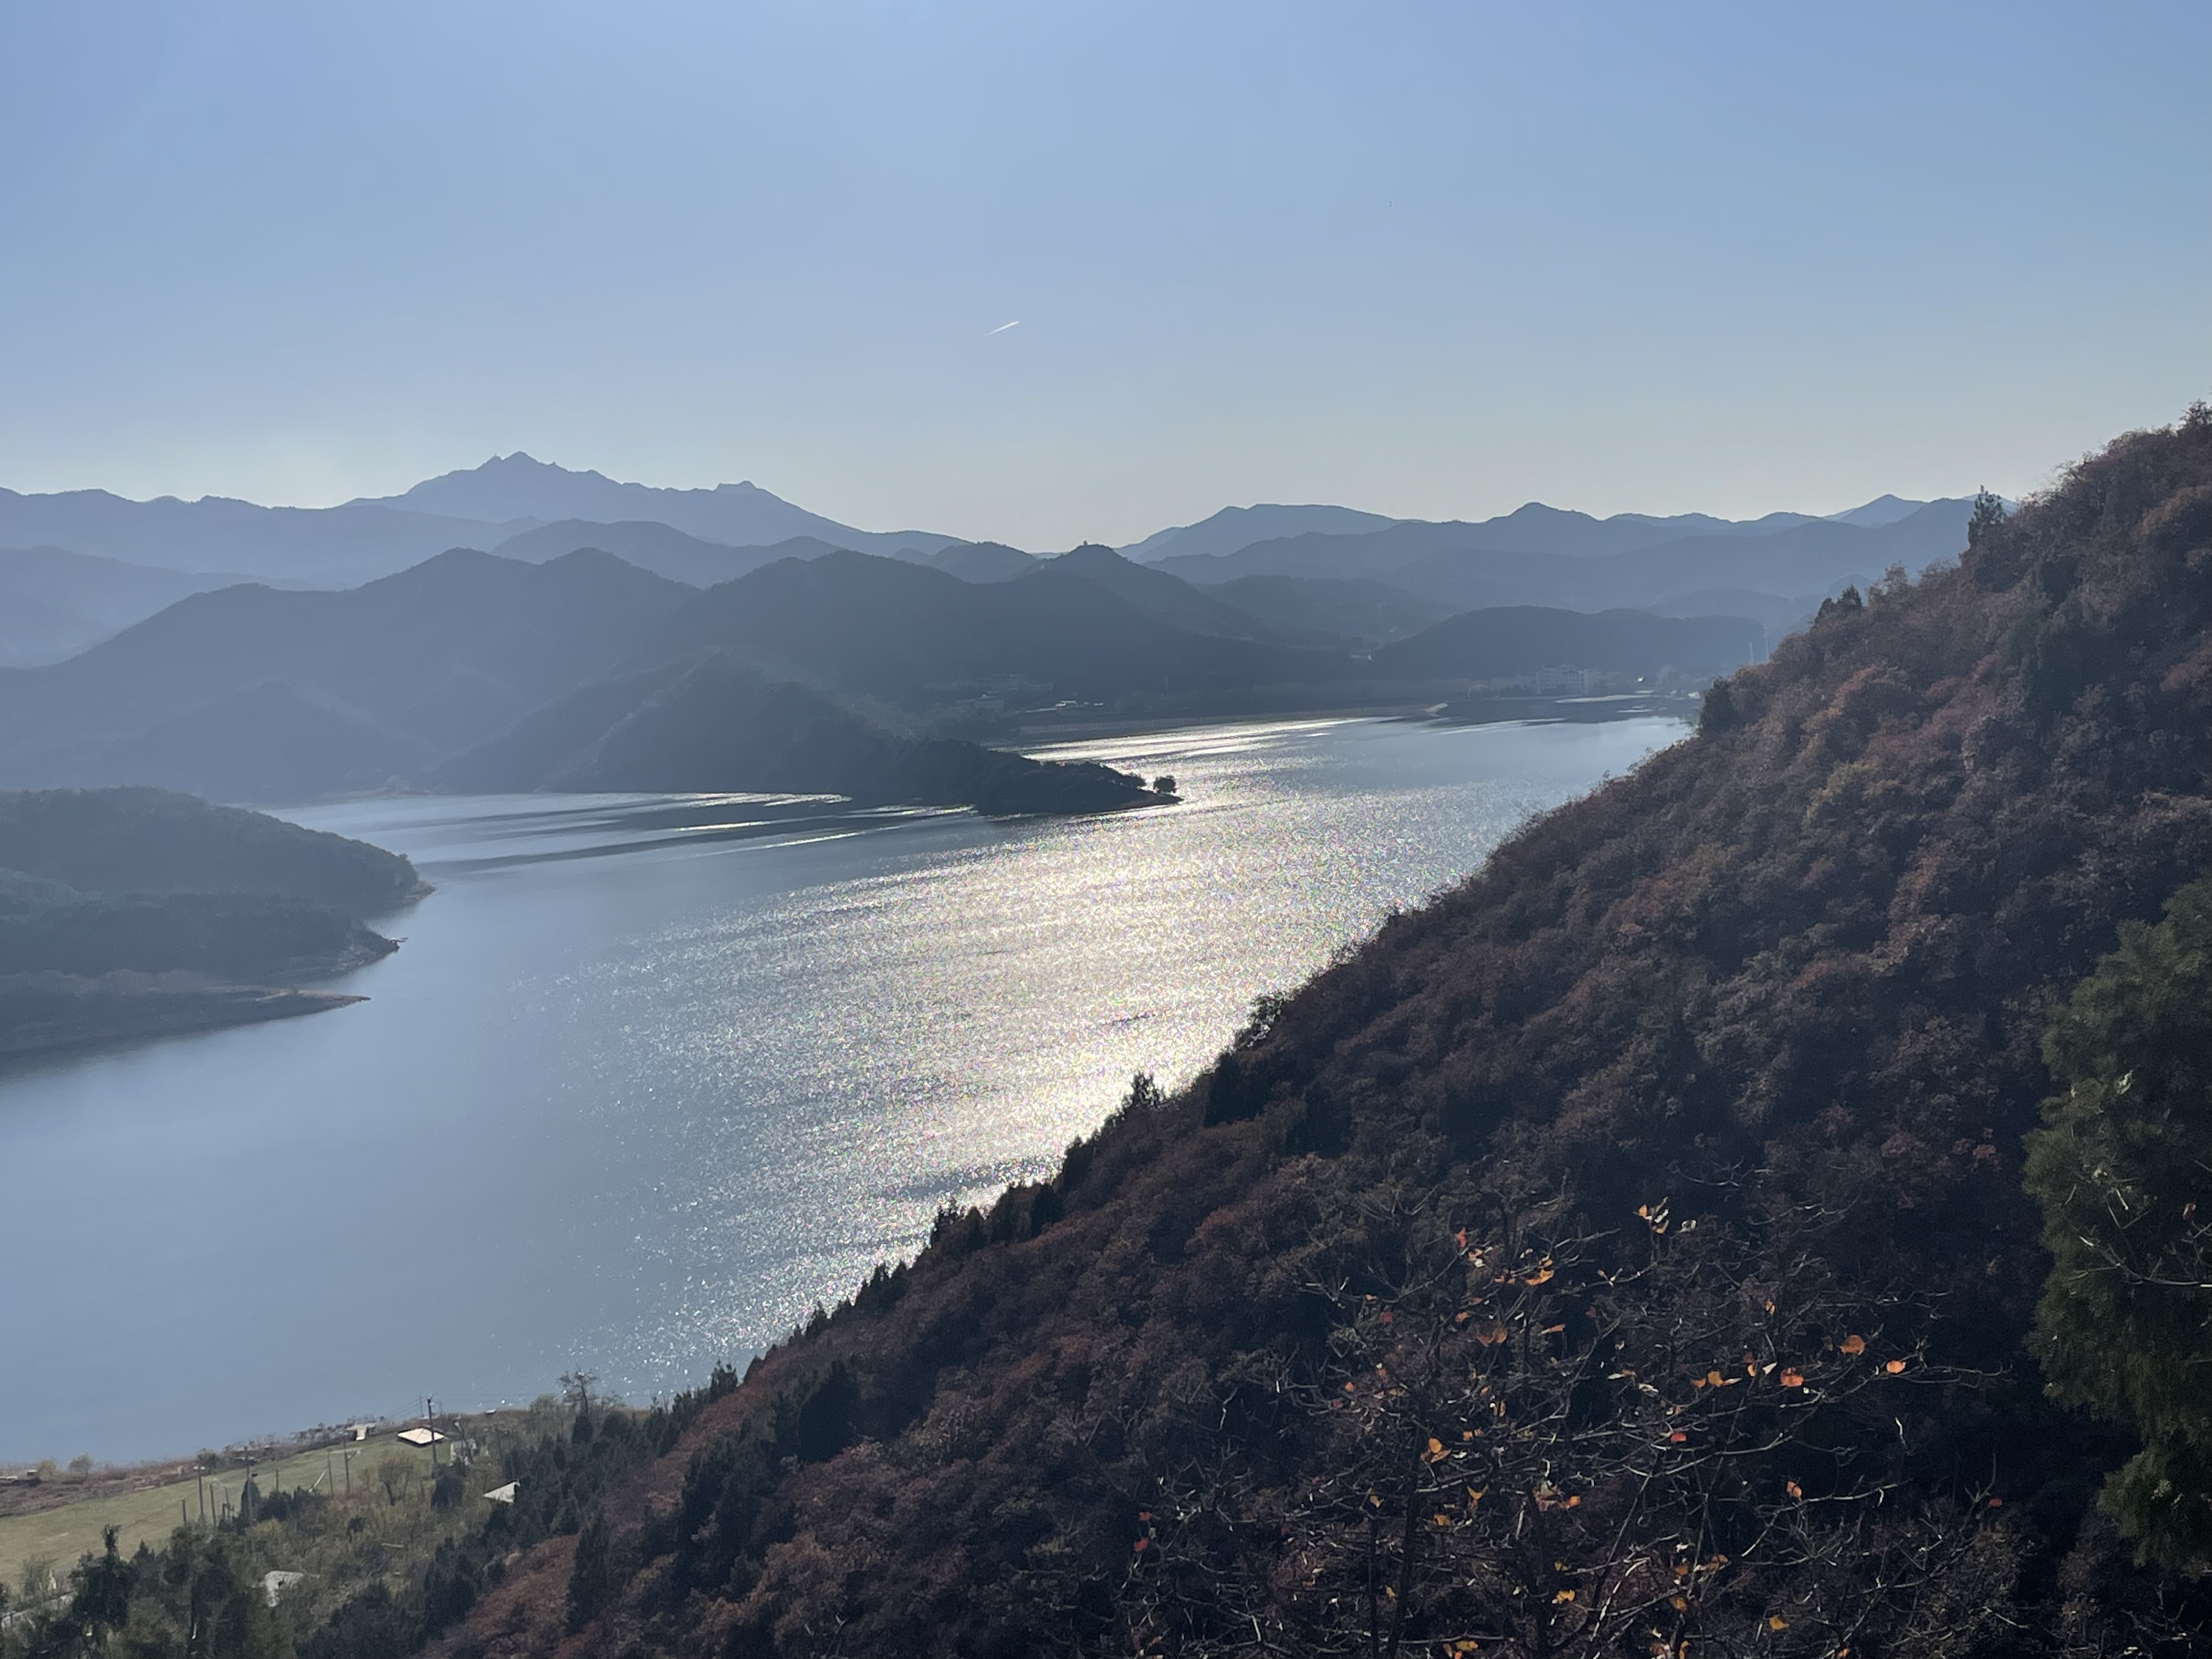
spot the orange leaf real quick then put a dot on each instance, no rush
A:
(1790, 1379)
(1793, 1489)
(1141, 1544)
(1677, 1438)
(1895, 1367)
(1852, 1344)
(1778, 1622)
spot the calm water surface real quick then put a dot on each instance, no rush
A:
(633, 1098)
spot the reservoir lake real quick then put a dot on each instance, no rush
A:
(651, 1076)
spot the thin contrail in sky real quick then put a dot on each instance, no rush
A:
(1003, 327)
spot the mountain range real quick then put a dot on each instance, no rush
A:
(254, 693)
(515, 493)
(157, 642)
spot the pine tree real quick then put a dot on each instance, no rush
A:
(2122, 1169)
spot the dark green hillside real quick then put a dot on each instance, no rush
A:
(716, 724)
(1519, 639)
(46, 927)
(1624, 1254)
(156, 840)
(132, 912)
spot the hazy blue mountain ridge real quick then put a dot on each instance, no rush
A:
(333, 545)
(982, 562)
(54, 603)
(856, 623)
(1234, 527)
(1316, 607)
(447, 652)
(1440, 563)
(1165, 597)
(517, 486)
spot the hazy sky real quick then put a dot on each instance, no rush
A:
(1430, 259)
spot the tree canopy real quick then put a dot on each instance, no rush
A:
(2122, 1168)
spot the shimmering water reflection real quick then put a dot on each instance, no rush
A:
(652, 1075)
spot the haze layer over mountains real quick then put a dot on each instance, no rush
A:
(260, 654)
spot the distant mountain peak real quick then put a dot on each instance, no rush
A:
(507, 489)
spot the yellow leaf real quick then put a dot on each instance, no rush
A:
(1564, 1596)
(1442, 1520)
(1778, 1622)
(1542, 1278)
(1852, 1344)
(1474, 1496)
(1712, 1379)
(1678, 1602)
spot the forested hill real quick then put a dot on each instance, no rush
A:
(128, 913)
(716, 723)
(1626, 1250)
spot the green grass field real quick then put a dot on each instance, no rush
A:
(60, 1536)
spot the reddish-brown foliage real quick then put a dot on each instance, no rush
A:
(1626, 1249)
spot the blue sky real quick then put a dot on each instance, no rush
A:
(1430, 259)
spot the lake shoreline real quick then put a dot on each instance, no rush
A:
(653, 1082)
(52, 1013)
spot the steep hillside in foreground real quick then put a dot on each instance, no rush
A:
(1624, 1250)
